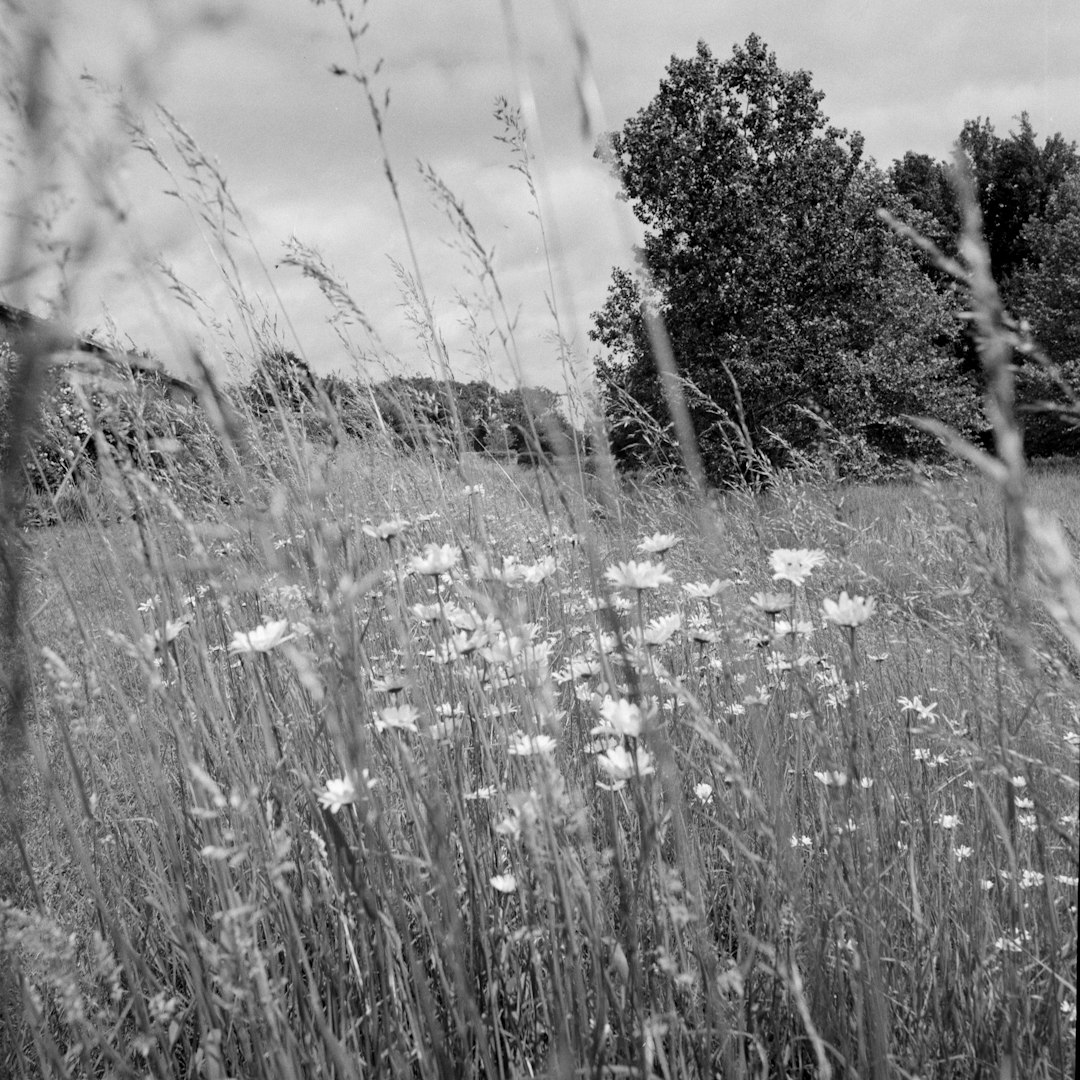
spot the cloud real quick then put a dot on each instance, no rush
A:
(301, 156)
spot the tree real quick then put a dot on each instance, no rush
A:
(1014, 180)
(764, 256)
(282, 380)
(927, 184)
(532, 423)
(1027, 194)
(1047, 294)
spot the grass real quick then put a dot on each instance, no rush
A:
(416, 764)
(487, 906)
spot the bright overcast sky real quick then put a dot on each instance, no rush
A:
(299, 152)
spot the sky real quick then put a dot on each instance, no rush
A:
(249, 80)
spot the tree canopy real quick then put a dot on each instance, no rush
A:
(1029, 195)
(765, 257)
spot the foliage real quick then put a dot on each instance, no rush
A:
(418, 410)
(352, 406)
(1047, 294)
(127, 417)
(282, 380)
(1015, 179)
(386, 804)
(1027, 194)
(769, 267)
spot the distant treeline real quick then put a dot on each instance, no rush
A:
(415, 410)
(123, 408)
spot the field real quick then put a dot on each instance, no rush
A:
(318, 792)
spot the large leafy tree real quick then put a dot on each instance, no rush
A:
(765, 258)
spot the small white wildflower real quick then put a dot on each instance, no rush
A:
(704, 792)
(772, 603)
(658, 543)
(1008, 944)
(948, 821)
(962, 851)
(458, 645)
(483, 569)
(173, 627)
(386, 530)
(621, 717)
(621, 765)
(504, 883)
(399, 717)
(338, 793)
(925, 712)
(660, 630)
(539, 571)
(578, 667)
(522, 744)
(428, 613)
(1031, 879)
(795, 565)
(262, 639)
(637, 576)
(832, 777)
(699, 590)
(437, 559)
(848, 611)
(776, 665)
(444, 730)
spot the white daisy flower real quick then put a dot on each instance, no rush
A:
(262, 639)
(795, 565)
(504, 883)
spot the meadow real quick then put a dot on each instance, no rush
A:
(408, 762)
(429, 769)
